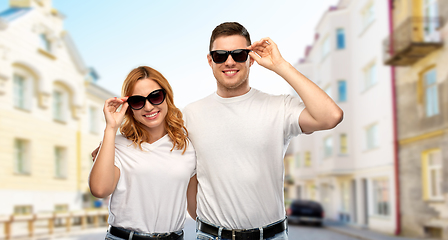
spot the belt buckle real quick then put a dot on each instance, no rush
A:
(233, 234)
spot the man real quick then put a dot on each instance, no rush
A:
(241, 135)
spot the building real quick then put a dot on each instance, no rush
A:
(417, 51)
(350, 169)
(50, 116)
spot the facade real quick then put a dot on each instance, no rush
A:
(418, 54)
(350, 169)
(50, 116)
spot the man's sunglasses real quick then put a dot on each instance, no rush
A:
(238, 55)
(156, 97)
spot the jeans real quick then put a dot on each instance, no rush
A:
(112, 237)
(205, 236)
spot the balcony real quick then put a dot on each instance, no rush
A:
(413, 40)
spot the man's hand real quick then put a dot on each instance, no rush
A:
(265, 52)
(95, 152)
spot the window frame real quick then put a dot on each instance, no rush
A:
(22, 151)
(372, 139)
(427, 169)
(381, 186)
(431, 100)
(369, 76)
(340, 99)
(60, 106)
(22, 100)
(60, 162)
(340, 38)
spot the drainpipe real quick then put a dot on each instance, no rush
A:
(394, 120)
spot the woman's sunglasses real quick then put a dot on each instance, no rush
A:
(156, 97)
(238, 55)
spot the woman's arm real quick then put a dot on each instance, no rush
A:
(104, 174)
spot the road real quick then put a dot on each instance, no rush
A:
(296, 232)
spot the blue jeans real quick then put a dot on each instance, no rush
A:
(205, 236)
(112, 237)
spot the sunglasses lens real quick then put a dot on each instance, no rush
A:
(136, 102)
(240, 55)
(219, 56)
(156, 97)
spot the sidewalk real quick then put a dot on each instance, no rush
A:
(360, 233)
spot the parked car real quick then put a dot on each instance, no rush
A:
(301, 211)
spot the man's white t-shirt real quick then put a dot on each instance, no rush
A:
(150, 196)
(240, 144)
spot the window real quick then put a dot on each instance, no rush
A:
(328, 147)
(61, 208)
(372, 140)
(297, 160)
(21, 92)
(369, 76)
(381, 197)
(307, 159)
(340, 38)
(60, 162)
(57, 105)
(345, 196)
(368, 15)
(23, 210)
(45, 43)
(343, 143)
(431, 93)
(93, 120)
(60, 104)
(432, 174)
(325, 47)
(21, 156)
(342, 91)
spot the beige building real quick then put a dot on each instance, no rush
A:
(419, 56)
(350, 169)
(51, 113)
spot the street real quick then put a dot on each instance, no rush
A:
(296, 232)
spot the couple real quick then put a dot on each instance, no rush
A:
(239, 135)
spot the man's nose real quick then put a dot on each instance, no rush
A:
(230, 61)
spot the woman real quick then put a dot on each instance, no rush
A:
(150, 168)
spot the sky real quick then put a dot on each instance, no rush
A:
(115, 36)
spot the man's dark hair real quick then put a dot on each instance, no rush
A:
(229, 29)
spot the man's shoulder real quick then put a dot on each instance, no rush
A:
(198, 103)
(269, 96)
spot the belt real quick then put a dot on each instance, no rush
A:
(243, 234)
(125, 235)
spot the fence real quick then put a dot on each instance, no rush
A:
(52, 221)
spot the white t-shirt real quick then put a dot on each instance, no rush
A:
(240, 144)
(151, 193)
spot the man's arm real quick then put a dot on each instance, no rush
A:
(320, 112)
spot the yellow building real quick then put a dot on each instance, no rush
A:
(50, 116)
(419, 56)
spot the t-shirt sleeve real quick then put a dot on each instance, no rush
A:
(293, 108)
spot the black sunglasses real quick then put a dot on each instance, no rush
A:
(156, 97)
(238, 55)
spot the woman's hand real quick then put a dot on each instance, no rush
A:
(114, 118)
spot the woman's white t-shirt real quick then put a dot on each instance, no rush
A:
(150, 195)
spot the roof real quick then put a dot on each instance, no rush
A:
(11, 14)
